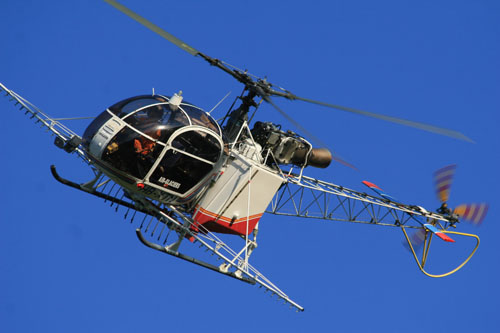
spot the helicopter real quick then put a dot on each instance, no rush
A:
(198, 180)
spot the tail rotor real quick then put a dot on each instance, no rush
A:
(443, 179)
(472, 213)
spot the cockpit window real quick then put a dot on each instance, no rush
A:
(145, 116)
(178, 172)
(94, 126)
(132, 153)
(200, 118)
(169, 147)
(174, 119)
(200, 144)
(123, 108)
(157, 117)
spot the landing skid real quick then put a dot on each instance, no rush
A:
(94, 192)
(190, 259)
(234, 264)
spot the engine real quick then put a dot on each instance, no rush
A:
(288, 147)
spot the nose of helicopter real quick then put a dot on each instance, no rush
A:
(169, 147)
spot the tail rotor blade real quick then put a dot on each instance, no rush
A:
(417, 239)
(474, 213)
(443, 179)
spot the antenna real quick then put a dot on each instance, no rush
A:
(222, 100)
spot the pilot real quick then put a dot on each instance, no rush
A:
(143, 146)
(149, 126)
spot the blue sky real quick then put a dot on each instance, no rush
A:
(70, 263)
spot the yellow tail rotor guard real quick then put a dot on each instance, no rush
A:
(427, 243)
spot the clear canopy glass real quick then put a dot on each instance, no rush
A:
(170, 147)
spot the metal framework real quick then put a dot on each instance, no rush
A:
(306, 197)
(63, 134)
(299, 196)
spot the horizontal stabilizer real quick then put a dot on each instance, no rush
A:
(438, 233)
(379, 191)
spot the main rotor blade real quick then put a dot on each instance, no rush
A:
(242, 77)
(265, 89)
(171, 38)
(293, 121)
(404, 122)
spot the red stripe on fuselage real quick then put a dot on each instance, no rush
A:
(222, 224)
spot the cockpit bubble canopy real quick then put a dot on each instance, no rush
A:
(172, 146)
